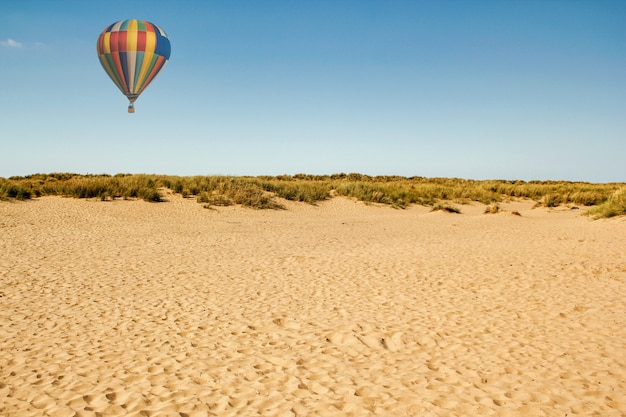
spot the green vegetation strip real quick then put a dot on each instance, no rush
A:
(263, 192)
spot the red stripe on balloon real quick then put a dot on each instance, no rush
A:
(141, 41)
(121, 40)
(113, 41)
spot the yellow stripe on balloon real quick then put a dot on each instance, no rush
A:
(145, 68)
(106, 43)
(150, 41)
(131, 36)
(147, 58)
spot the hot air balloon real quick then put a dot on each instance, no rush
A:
(133, 52)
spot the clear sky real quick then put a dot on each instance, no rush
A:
(525, 90)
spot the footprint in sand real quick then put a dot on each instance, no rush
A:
(287, 323)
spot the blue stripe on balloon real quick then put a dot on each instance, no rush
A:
(124, 62)
(162, 45)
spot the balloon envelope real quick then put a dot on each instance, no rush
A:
(133, 52)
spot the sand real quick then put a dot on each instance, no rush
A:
(340, 309)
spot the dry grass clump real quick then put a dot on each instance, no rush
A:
(104, 187)
(264, 191)
(401, 192)
(214, 200)
(224, 191)
(445, 208)
(615, 205)
(297, 189)
(553, 193)
(10, 190)
(550, 200)
(492, 208)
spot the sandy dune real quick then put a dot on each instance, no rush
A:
(341, 309)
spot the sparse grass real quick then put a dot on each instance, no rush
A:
(226, 191)
(446, 208)
(550, 200)
(492, 208)
(308, 191)
(104, 187)
(265, 192)
(615, 205)
(214, 200)
(13, 191)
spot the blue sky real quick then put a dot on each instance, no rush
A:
(471, 89)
